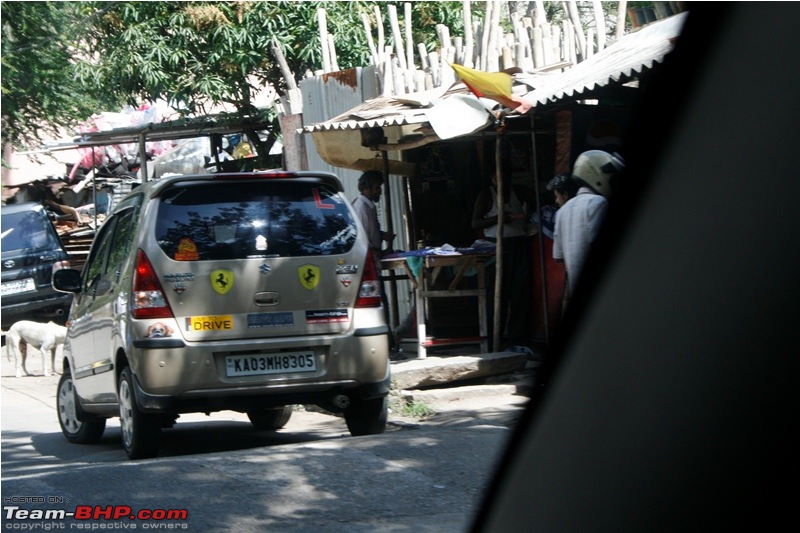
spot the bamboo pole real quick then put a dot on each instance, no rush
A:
(574, 17)
(284, 66)
(600, 25)
(487, 22)
(368, 31)
(409, 37)
(323, 38)
(394, 24)
(469, 41)
(621, 11)
(332, 54)
(379, 27)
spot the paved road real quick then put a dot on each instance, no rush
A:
(418, 476)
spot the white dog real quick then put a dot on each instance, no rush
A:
(47, 338)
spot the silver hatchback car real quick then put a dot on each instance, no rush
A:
(250, 292)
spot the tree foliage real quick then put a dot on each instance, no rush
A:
(40, 94)
(197, 54)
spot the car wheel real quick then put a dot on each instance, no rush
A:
(141, 433)
(86, 431)
(367, 417)
(265, 419)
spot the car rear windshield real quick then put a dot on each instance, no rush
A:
(27, 230)
(237, 220)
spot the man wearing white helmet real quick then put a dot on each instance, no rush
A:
(578, 220)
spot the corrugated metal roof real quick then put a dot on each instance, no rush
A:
(619, 63)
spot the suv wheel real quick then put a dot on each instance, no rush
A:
(141, 433)
(367, 417)
(87, 431)
(266, 419)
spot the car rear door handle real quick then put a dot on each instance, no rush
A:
(265, 299)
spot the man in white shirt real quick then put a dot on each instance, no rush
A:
(370, 185)
(578, 220)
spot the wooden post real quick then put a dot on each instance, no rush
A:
(540, 233)
(387, 206)
(498, 273)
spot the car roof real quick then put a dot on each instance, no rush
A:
(19, 208)
(155, 187)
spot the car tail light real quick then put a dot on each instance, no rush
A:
(369, 294)
(149, 300)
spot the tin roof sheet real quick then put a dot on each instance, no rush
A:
(620, 62)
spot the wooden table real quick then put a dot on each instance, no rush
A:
(432, 266)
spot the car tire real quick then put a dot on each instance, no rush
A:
(77, 427)
(267, 419)
(141, 433)
(367, 417)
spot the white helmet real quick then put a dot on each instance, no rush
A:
(594, 168)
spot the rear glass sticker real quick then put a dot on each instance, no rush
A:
(261, 243)
(327, 316)
(209, 323)
(159, 330)
(269, 320)
(318, 200)
(187, 250)
(222, 280)
(309, 276)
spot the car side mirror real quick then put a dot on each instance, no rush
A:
(67, 280)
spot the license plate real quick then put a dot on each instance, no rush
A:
(18, 286)
(263, 364)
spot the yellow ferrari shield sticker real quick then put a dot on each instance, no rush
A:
(309, 276)
(222, 280)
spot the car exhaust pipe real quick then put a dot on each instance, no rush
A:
(341, 401)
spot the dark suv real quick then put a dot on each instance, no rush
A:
(31, 250)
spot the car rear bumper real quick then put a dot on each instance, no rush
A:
(58, 304)
(245, 398)
(192, 377)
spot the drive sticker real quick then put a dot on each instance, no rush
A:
(345, 280)
(221, 280)
(327, 316)
(187, 250)
(318, 200)
(159, 330)
(309, 276)
(209, 323)
(269, 320)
